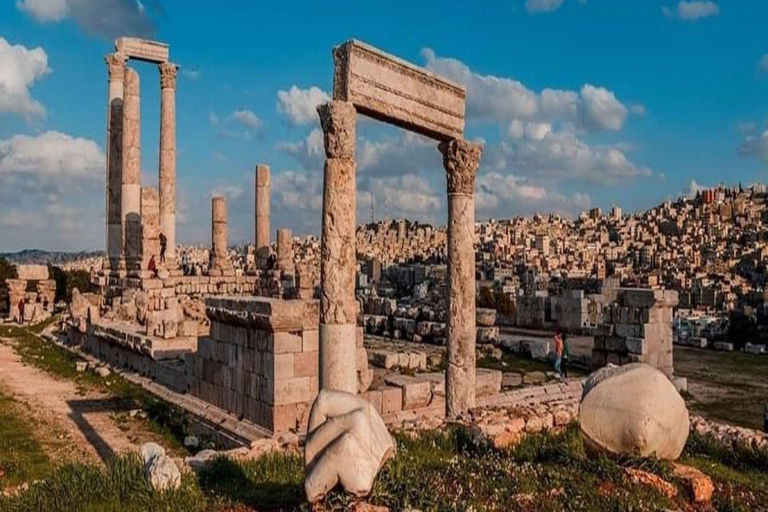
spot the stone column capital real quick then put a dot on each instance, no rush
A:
(461, 160)
(168, 72)
(338, 119)
(116, 66)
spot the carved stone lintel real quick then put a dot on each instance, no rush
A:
(338, 119)
(168, 72)
(461, 160)
(116, 66)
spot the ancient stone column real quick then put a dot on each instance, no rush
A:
(338, 308)
(114, 146)
(285, 250)
(150, 227)
(460, 159)
(168, 73)
(219, 257)
(262, 212)
(130, 193)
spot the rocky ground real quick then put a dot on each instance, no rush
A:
(52, 416)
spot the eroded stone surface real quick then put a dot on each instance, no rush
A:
(461, 160)
(168, 73)
(347, 444)
(634, 410)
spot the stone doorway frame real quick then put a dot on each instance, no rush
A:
(386, 88)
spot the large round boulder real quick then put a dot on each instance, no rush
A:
(635, 410)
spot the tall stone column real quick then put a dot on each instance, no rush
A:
(219, 256)
(168, 73)
(114, 146)
(263, 185)
(338, 309)
(285, 250)
(461, 160)
(130, 193)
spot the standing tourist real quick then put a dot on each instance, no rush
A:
(558, 353)
(163, 245)
(21, 311)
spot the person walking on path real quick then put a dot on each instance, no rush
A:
(558, 353)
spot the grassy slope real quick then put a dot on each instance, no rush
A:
(22, 458)
(726, 386)
(436, 471)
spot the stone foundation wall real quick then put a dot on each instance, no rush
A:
(260, 361)
(637, 328)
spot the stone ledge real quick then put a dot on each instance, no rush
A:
(275, 315)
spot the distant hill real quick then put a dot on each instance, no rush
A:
(38, 257)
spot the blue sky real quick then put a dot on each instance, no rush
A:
(579, 104)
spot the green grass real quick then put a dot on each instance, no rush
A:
(163, 419)
(118, 486)
(521, 364)
(436, 471)
(725, 386)
(22, 458)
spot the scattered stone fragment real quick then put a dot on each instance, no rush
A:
(698, 483)
(102, 371)
(633, 409)
(191, 442)
(163, 473)
(347, 444)
(201, 459)
(638, 476)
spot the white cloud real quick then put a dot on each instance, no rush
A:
(692, 11)
(21, 68)
(310, 151)
(300, 105)
(51, 156)
(762, 64)
(248, 118)
(231, 125)
(107, 19)
(500, 99)
(562, 156)
(52, 192)
(406, 196)
(694, 188)
(193, 74)
(496, 193)
(601, 110)
(755, 145)
(539, 6)
(44, 10)
(231, 192)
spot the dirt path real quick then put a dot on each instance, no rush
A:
(79, 425)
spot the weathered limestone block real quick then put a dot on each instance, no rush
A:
(116, 68)
(285, 250)
(389, 89)
(347, 444)
(32, 272)
(150, 227)
(461, 160)
(486, 317)
(338, 306)
(130, 193)
(633, 409)
(219, 233)
(142, 49)
(263, 190)
(167, 174)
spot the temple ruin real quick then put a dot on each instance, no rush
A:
(388, 89)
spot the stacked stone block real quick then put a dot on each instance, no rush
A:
(260, 361)
(150, 227)
(637, 328)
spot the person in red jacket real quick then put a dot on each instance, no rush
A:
(558, 353)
